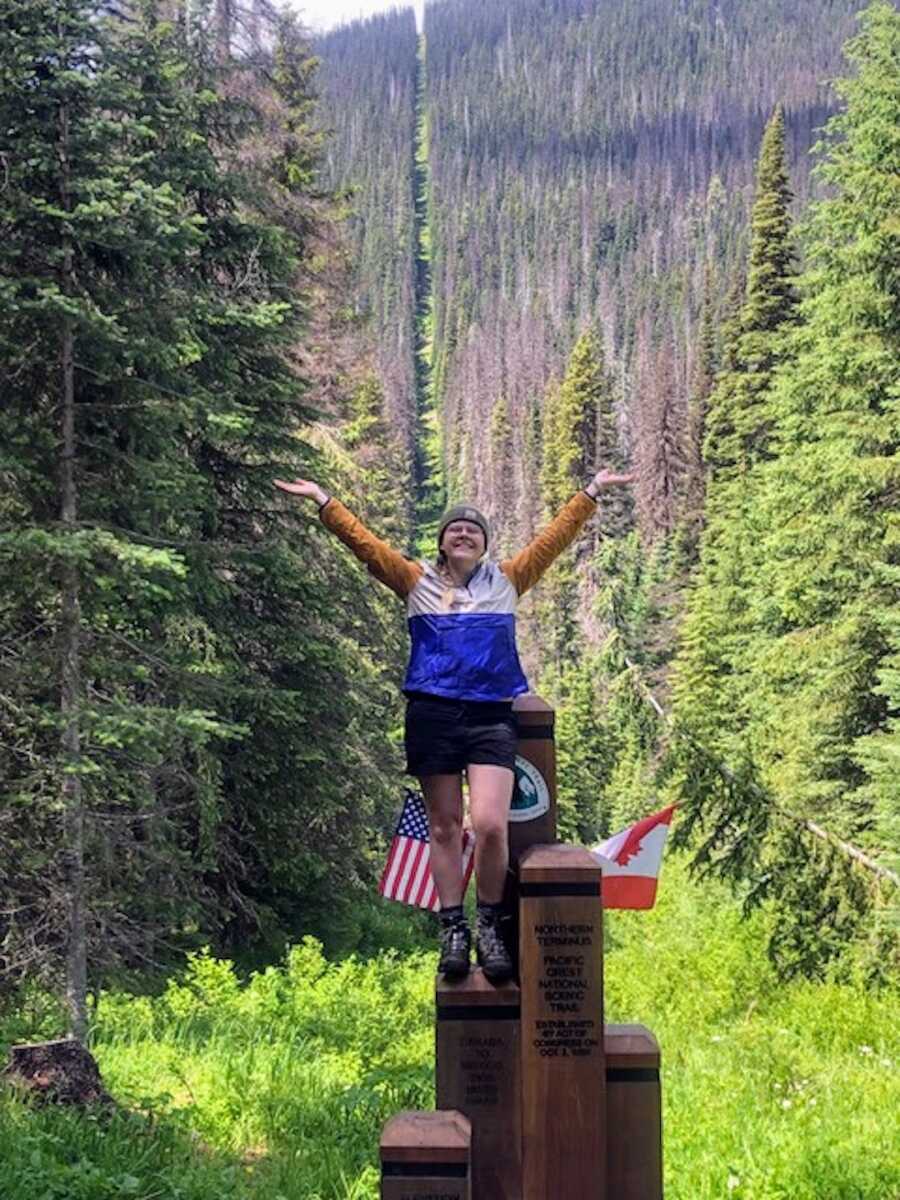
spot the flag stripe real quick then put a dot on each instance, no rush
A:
(629, 891)
(410, 866)
(403, 847)
(407, 873)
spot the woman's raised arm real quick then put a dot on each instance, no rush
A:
(526, 568)
(384, 562)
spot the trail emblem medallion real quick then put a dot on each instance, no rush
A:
(531, 796)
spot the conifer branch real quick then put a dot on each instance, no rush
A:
(811, 826)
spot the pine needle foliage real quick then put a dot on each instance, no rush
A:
(175, 646)
(785, 671)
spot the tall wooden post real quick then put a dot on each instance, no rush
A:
(532, 817)
(477, 1029)
(559, 1108)
(563, 1072)
(532, 814)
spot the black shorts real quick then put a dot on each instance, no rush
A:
(444, 736)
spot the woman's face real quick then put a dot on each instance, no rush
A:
(463, 541)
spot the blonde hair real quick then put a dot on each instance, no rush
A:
(440, 565)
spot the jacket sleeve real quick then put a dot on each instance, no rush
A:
(526, 567)
(386, 564)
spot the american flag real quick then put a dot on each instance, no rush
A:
(407, 873)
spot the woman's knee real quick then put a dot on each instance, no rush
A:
(445, 829)
(489, 829)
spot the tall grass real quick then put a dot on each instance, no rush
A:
(276, 1088)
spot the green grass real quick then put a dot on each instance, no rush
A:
(277, 1088)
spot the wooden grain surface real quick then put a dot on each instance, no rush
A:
(633, 1114)
(475, 989)
(422, 1137)
(630, 1046)
(563, 1069)
(558, 863)
(425, 1187)
(535, 716)
(478, 1073)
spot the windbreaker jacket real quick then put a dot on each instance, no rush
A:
(463, 638)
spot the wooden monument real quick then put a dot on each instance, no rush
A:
(556, 1105)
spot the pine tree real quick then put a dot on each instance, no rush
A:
(502, 477)
(703, 378)
(827, 504)
(156, 605)
(573, 417)
(737, 425)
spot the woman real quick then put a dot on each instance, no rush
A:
(463, 675)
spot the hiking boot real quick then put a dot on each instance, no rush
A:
(456, 945)
(493, 956)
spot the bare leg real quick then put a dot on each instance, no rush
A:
(490, 793)
(444, 801)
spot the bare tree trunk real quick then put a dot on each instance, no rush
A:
(224, 16)
(70, 652)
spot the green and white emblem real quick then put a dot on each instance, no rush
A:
(531, 796)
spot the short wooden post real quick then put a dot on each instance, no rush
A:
(425, 1155)
(633, 1114)
(563, 1071)
(478, 1073)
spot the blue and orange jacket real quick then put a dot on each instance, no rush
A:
(463, 638)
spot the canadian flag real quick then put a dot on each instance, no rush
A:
(631, 861)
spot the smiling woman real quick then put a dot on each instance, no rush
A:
(463, 675)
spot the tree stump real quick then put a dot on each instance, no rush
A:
(61, 1072)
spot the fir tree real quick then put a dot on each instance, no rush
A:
(577, 414)
(804, 621)
(737, 423)
(155, 604)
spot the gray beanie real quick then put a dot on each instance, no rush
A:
(464, 512)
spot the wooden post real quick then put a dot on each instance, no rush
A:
(633, 1114)
(532, 815)
(563, 1072)
(478, 1073)
(425, 1156)
(532, 818)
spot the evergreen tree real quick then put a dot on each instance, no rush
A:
(707, 687)
(155, 606)
(737, 423)
(502, 474)
(805, 621)
(702, 380)
(827, 504)
(577, 415)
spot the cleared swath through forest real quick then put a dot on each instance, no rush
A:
(429, 481)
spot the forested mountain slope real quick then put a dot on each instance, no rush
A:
(600, 293)
(589, 163)
(368, 79)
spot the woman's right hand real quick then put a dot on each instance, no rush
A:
(303, 487)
